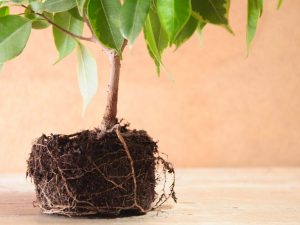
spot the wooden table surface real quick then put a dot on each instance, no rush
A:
(259, 196)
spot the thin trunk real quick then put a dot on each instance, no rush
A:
(110, 114)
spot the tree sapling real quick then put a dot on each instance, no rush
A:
(109, 170)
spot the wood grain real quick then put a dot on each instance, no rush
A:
(206, 196)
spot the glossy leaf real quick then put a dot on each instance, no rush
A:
(80, 5)
(156, 38)
(104, 18)
(186, 32)
(133, 16)
(54, 6)
(64, 43)
(4, 11)
(14, 34)
(212, 11)
(255, 8)
(87, 75)
(173, 15)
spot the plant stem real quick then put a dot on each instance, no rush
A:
(110, 113)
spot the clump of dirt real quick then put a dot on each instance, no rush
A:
(90, 173)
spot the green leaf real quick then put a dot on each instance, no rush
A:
(37, 6)
(255, 8)
(37, 21)
(1, 67)
(14, 34)
(87, 75)
(186, 32)
(40, 24)
(80, 5)
(64, 43)
(75, 13)
(104, 19)
(4, 11)
(54, 6)
(133, 16)
(156, 38)
(279, 4)
(173, 15)
(211, 11)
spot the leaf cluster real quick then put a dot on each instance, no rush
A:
(165, 23)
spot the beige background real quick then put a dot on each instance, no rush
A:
(222, 109)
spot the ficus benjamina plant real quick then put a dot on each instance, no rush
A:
(113, 24)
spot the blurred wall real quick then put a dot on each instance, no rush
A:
(223, 109)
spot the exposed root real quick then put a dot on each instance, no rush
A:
(81, 175)
(131, 168)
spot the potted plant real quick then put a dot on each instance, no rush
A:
(112, 169)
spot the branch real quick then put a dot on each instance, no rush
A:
(90, 39)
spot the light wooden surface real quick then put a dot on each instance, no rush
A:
(206, 196)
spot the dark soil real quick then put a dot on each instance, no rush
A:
(91, 174)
